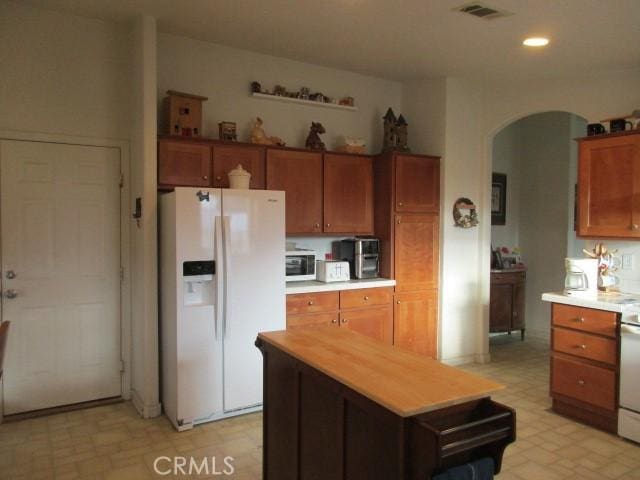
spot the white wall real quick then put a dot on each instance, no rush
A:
(224, 75)
(63, 74)
(507, 157)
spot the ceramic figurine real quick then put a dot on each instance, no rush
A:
(259, 137)
(256, 87)
(314, 142)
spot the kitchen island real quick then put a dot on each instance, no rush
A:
(339, 405)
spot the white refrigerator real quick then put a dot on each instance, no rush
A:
(222, 280)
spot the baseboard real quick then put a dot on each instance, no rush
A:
(482, 358)
(463, 360)
(145, 410)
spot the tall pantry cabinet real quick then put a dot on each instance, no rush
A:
(407, 222)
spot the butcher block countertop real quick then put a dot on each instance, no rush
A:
(401, 381)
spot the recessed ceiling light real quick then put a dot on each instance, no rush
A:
(536, 42)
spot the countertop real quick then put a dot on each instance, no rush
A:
(401, 381)
(612, 302)
(315, 286)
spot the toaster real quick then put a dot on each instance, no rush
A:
(332, 271)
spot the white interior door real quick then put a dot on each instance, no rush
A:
(60, 231)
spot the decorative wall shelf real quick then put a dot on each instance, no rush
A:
(279, 98)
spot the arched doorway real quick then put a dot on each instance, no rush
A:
(537, 156)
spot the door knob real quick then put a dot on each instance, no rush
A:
(11, 274)
(11, 293)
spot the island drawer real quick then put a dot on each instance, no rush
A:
(589, 320)
(585, 383)
(365, 297)
(585, 345)
(316, 302)
(462, 433)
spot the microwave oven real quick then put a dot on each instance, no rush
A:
(300, 265)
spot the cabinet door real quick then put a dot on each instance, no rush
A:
(501, 307)
(417, 184)
(184, 164)
(373, 322)
(348, 194)
(299, 174)
(608, 187)
(416, 252)
(227, 157)
(415, 324)
(517, 320)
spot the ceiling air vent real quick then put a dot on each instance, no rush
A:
(482, 11)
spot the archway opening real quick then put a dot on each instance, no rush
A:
(534, 165)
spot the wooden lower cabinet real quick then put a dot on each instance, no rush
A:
(585, 365)
(415, 323)
(507, 300)
(348, 309)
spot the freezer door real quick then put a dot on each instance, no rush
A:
(254, 285)
(199, 345)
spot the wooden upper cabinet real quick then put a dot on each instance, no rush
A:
(416, 248)
(609, 186)
(299, 174)
(415, 324)
(184, 164)
(348, 194)
(417, 184)
(227, 157)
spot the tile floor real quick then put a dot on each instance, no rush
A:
(112, 442)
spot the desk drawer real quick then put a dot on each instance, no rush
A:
(302, 303)
(312, 320)
(585, 345)
(586, 319)
(366, 297)
(586, 383)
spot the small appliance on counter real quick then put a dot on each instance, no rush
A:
(333, 271)
(581, 279)
(300, 265)
(362, 255)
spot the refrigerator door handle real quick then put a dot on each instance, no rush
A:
(226, 222)
(220, 269)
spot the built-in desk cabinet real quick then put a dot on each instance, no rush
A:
(609, 185)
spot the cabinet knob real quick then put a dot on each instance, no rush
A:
(398, 302)
(334, 321)
(398, 221)
(310, 302)
(580, 382)
(204, 177)
(317, 225)
(328, 224)
(344, 320)
(583, 347)
(399, 204)
(634, 226)
(218, 178)
(580, 319)
(366, 297)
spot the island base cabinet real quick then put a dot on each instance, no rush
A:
(315, 427)
(416, 322)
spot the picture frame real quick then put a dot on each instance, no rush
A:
(498, 199)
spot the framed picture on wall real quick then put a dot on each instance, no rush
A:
(498, 199)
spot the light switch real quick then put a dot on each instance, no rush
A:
(627, 261)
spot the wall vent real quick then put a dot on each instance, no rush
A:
(481, 10)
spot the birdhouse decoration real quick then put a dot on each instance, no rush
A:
(390, 137)
(395, 132)
(183, 114)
